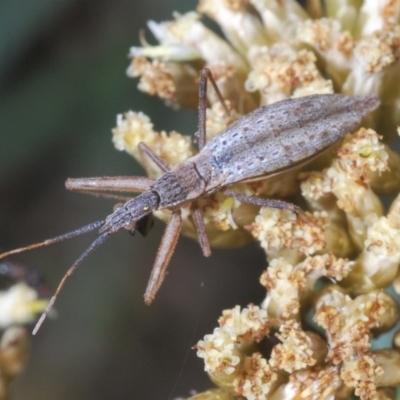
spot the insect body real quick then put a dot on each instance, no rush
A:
(274, 137)
(264, 142)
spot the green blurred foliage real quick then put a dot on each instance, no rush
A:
(63, 81)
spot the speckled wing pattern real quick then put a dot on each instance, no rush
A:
(283, 134)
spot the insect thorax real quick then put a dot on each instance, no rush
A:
(179, 185)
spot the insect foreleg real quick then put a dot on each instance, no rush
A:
(258, 201)
(128, 184)
(167, 247)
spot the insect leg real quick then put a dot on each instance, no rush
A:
(198, 222)
(204, 74)
(167, 247)
(258, 201)
(128, 184)
(146, 154)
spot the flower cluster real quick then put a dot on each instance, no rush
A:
(334, 261)
(19, 304)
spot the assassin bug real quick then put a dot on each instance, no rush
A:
(264, 142)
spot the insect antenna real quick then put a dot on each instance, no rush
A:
(56, 239)
(100, 240)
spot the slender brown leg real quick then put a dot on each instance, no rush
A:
(128, 184)
(147, 154)
(258, 201)
(167, 247)
(201, 230)
(204, 74)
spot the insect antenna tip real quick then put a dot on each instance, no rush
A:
(44, 315)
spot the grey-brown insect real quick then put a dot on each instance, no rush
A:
(264, 142)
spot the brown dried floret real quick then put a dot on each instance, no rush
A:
(312, 383)
(281, 230)
(380, 49)
(176, 83)
(133, 128)
(294, 353)
(361, 154)
(155, 78)
(347, 179)
(332, 43)
(256, 380)
(377, 264)
(225, 352)
(283, 283)
(348, 325)
(325, 265)
(281, 72)
(290, 287)
(250, 324)
(219, 352)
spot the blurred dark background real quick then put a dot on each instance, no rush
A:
(62, 78)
